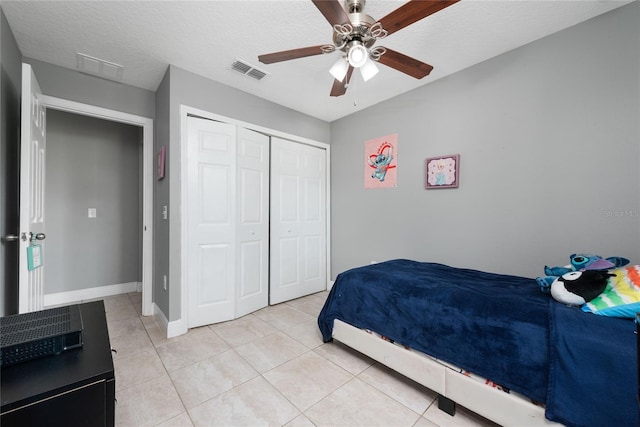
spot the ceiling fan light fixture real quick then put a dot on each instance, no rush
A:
(368, 70)
(358, 54)
(339, 69)
(354, 35)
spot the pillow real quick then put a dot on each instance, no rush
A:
(621, 297)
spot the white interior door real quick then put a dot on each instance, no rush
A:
(32, 178)
(252, 289)
(298, 220)
(211, 213)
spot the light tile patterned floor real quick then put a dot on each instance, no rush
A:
(267, 368)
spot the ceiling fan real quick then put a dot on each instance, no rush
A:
(355, 33)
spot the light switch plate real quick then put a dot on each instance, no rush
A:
(92, 212)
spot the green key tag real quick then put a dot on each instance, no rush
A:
(34, 257)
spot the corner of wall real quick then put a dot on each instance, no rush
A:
(161, 268)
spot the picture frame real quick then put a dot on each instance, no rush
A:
(442, 172)
(381, 162)
(160, 162)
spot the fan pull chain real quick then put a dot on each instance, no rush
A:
(355, 92)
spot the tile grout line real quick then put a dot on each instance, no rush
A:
(262, 374)
(155, 349)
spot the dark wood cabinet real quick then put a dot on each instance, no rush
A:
(74, 388)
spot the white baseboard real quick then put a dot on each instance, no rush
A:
(160, 318)
(171, 329)
(176, 328)
(80, 295)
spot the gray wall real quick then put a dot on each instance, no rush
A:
(548, 136)
(76, 86)
(161, 198)
(10, 83)
(91, 163)
(199, 92)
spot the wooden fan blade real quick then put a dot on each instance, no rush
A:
(332, 11)
(411, 12)
(405, 64)
(340, 87)
(286, 55)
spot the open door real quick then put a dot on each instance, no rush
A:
(32, 178)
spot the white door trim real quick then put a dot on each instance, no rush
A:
(147, 172)
(184, 112)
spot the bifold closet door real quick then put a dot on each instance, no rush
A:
(211, 229)
(298, 220)
(228, 221)
(252, 284)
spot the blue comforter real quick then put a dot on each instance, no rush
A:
(495, 325)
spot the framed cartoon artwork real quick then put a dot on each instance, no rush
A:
(381, 162)
(442, 172)
(160, 160)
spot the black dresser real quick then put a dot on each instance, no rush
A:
(74, 388)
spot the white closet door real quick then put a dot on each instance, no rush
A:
(211, 216)
(298, 220)
(252, 284)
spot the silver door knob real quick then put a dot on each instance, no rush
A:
(39, 236)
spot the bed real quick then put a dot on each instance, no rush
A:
(438, 324)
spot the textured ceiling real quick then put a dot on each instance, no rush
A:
(205, 37)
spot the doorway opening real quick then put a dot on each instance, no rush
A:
(93, 208)
(145, 200)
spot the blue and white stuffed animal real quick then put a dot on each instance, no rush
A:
(579, 262)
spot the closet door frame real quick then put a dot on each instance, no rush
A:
(185, 111)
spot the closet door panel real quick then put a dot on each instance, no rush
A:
(298, 220)
(252, 290)
(250, 263)
(313, 202)
(211, 225)
(212, 261)
(288, 262)
(213, 205)
(288, 206)
(312, 258)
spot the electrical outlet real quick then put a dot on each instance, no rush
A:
(164, 212)
(164, 285)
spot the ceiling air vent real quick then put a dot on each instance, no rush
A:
(256, 74)
(248, 69)
(99, 67)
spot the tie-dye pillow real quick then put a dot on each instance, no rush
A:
(621, 297)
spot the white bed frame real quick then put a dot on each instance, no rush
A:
(498, 406)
